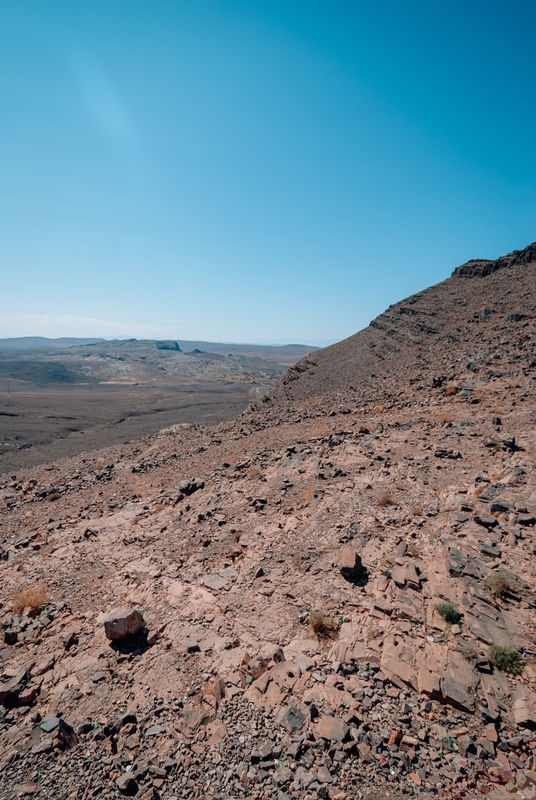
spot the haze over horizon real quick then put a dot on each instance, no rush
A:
(261, 172)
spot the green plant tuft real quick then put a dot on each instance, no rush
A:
(505, 659)
(449, 613)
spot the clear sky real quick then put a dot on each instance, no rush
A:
(249, 170)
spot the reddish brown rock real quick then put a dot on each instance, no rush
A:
(332, 728)
(123, 622)
(349, 564)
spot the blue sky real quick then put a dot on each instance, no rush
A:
(255, 171)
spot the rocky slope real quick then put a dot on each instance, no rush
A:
(289, 567)
(477, 321)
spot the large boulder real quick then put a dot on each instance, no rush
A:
(349, 564)
(122, 622)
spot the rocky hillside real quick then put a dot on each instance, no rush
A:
(331, 596)
(477, 321)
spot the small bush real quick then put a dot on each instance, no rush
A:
(499, 584)
(449, 613)
(34, 597)
(468, 650)
(450, 391)
(385, 499)
(506, 659)
(319, 430)
(53, 496)
(307, 495)
(324, 626)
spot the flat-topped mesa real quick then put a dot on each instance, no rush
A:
(482, 267)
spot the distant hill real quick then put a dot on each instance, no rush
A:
(41, 342)
(285, 354)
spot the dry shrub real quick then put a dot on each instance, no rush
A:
(468, 650)
(140, 579)
(34, 597)
(499, 584)
(416, 511)
(323, 626)
(379, 408)
(385, 499)
(307, 495)
(414, 550)
(450, 391)
(319, 430)
(53, 496)
(210, 687)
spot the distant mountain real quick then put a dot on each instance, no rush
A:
(41, 342)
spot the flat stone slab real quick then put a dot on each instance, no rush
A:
(215, 582)
(332, 728)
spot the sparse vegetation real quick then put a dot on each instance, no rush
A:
(468, 650)
(319, 430)
(385, 499)
(33, 597)
(499, 583)
(450, 391)
(448, 612)
(53, 496)
(307, 495)
(506, 659)
(323, 626)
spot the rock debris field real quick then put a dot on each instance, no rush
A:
(331, 596)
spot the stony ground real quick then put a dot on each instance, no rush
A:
(264, 672)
